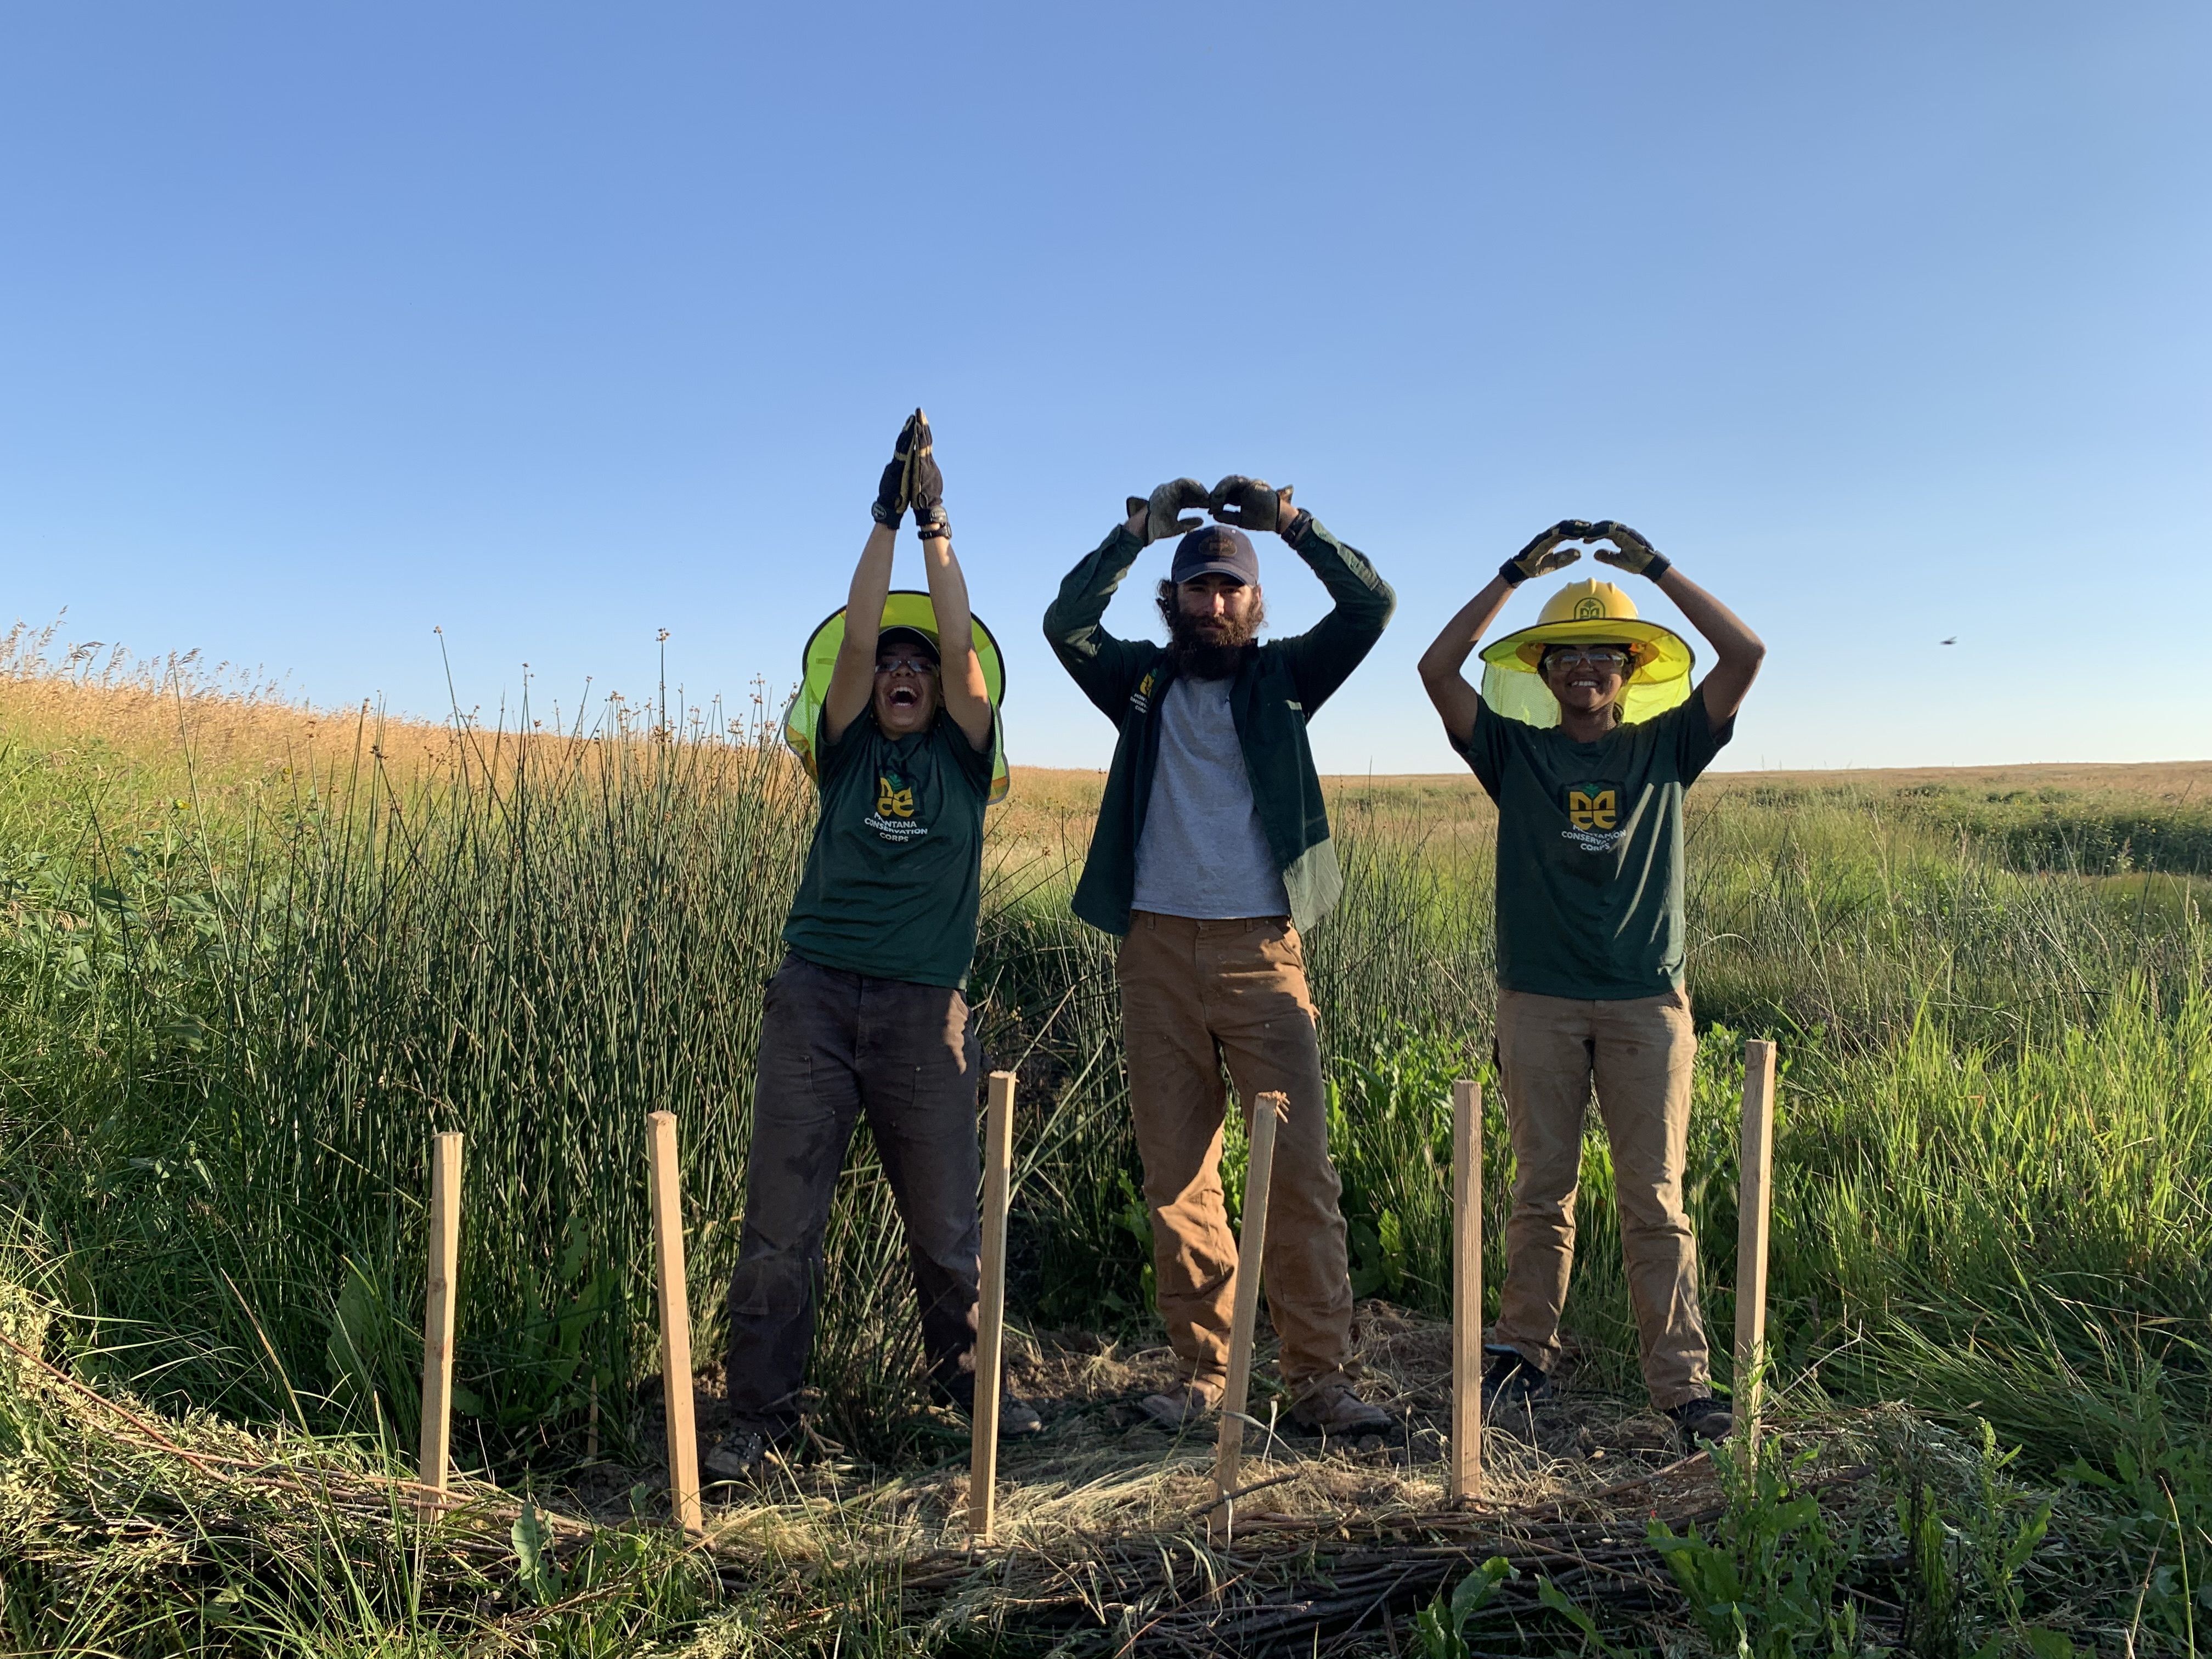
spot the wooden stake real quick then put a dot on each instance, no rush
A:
(991, 1309)
(1754, 1202)
(1267, 1112)
(438, 1316)
(675, 1320)
(1466, 1481)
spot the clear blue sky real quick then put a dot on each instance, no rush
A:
(554, 326)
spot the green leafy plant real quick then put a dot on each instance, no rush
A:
(1766, 1586)
(1440, 1628)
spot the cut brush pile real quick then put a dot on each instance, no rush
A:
(124, 1532)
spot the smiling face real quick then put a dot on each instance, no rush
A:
(906, 686)
(1586, 679)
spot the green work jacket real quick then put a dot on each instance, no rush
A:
(1274, 694)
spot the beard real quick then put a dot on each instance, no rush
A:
(1215, 654)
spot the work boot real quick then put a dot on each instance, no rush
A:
(1183, 1406)
(1701, 1421)
(736, 1457)
(1340, 1414)
(1511, 1383)
(1017, 1418)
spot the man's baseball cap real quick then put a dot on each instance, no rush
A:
(1216, 549)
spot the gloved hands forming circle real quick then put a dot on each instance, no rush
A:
(926, 483)
(1544, 554)
(1250, 503)
(1630, 551)
(1161, 508)
(896, 489)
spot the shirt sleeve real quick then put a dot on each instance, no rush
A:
(1484, 748)
(1695, 741)
(832, 760)
(973, 765)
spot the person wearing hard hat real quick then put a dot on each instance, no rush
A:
(1586, 732)
(1210, 857)
(897, 720)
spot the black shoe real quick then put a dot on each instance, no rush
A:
(1017, 1418)
(1512, 1384)
(1703, 1421)
(736, 1457)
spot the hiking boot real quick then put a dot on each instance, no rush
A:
(1511, 1383)
(1341, 1414)
(1702, 1420)
(1017, 1418)
(736, 1457)
(1183, 1406)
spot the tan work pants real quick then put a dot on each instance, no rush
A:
(1195, 995)
(1639, 1052)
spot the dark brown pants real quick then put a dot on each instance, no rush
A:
(834, 1045)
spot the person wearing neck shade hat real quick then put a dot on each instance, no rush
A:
(897, 720)
(1587, 733)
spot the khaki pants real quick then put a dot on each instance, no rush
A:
(1194, 995)
(1639, 1052)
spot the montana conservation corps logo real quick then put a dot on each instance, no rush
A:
(1589, 608)
(1594, 817)
(894, 815)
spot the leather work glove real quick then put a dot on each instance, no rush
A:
(1161, 508)
(1250, 503)
(896, 490)
(926, 483)
(1544, 554)
(1634, 555)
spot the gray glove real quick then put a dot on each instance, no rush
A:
(1163, 504)
(1251, 503)
(926, 482)
(1636, 555)
(896, 490)
(1544, 554)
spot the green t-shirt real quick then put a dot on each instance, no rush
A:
(894, 878)
(1589, 849)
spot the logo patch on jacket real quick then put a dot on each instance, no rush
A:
(1594, 817)
(1141, 698)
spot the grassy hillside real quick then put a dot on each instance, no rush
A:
(255, 957)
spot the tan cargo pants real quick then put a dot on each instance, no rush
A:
(1639, 1052)
(1194, 995)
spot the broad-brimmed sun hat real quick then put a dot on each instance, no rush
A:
(905, 611)
(1590, 612)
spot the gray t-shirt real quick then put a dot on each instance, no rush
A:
(1203, 852)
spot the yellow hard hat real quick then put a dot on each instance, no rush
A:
(1590, 612)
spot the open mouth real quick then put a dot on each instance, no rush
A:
(905, 696)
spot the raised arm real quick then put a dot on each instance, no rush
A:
(1323, 658)
(1103, 666)
(852, 679)
(959, 671)
(1737, 651)
(1440, 666)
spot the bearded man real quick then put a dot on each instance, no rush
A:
(1210, 857)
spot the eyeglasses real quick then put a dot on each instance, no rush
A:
(907, 660)
(1602, 658)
